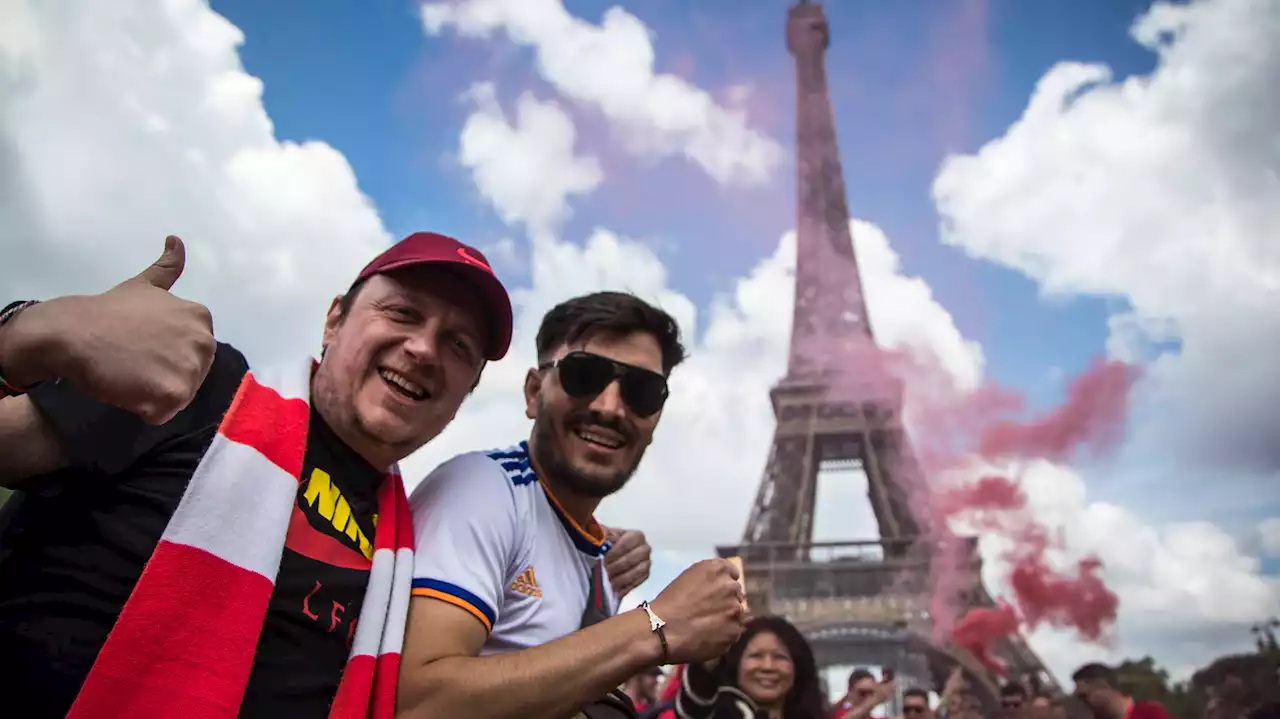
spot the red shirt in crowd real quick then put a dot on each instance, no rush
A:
(1146, 710)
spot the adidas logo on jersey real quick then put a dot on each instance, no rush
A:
(527, 584)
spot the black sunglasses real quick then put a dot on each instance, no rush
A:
(584, 376)
(912, 709)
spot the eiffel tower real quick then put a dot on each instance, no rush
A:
(861, 602)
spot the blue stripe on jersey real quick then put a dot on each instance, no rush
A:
(515, 462)
(454, 590)
(515, 465)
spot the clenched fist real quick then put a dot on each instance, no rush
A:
(135, 346)
(703, 611)
(628, 562)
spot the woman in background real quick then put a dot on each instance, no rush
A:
(769, 673)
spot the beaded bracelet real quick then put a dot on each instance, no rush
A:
(10, 311)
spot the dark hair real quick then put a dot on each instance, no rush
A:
(1095, 672)
(805, 700)
(858, 675)
(610, 313)
(916, 692)
(1013, 689)
(346, 301)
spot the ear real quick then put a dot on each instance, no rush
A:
(332, 321)
(532, 388)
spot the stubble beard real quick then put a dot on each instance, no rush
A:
(343, 418)
(548, 457)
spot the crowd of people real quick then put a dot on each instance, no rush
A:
(194, 537)
(770, 673)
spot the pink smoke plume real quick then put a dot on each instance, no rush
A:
(952, 428)
(980, 624)
(1092, 417)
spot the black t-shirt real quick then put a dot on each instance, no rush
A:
(74, 543)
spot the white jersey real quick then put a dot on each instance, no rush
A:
(492, 540)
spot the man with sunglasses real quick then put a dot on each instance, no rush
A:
(518, 621)
(915, 704)
(1013, 696)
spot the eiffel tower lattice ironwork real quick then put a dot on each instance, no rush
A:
(858, 602)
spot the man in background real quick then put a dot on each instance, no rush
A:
(1013, 697)
(1096, 688)
(915, 704)
(643, 689)
(863, 696)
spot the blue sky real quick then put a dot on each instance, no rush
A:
(910, 81)
(367, 80)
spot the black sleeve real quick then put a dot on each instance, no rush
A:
(697, 696)
(103, 439)
(705, 695)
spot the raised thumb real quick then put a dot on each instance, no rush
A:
(165, 271)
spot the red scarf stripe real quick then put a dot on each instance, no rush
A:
(404, 523)
(384, 686)
(141, 672)
(262, 419)
(356, 690)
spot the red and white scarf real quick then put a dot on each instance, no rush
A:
(185, 642)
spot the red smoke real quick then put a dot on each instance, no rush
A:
(1091, 417)
(1080, 601)
(979, 626)
(990, 493)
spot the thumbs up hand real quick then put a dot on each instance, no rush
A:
(135, 346)
(165, 271)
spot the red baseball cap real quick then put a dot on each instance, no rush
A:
(429, 248)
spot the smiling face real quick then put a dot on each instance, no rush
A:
(399, 363)
(766, 672)
(590, 446)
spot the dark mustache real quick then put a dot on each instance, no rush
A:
(596, 419)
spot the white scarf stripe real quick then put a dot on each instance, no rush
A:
(398, 612)
(236, 507)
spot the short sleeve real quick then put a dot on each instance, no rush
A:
(464, 519)
(106, 440)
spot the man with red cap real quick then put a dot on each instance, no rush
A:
(197, 538)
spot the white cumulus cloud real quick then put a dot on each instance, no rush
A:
(111, 140)
(527, 170)
(610, 67)
(1163, 190)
